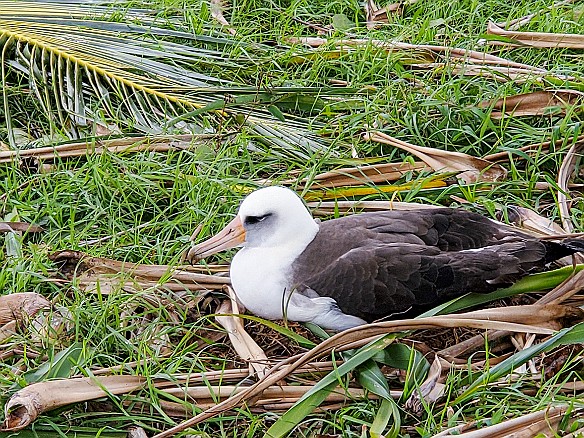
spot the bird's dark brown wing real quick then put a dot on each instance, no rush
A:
(446, 228)
(376, 281)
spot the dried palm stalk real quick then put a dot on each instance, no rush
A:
(535, 147)
(564, 174)
(557, 296)
(242, 342)
(118, 145)
(518, 22)
(107, 274)
(28, 403)
(541, 423)
(432, 51)
(360, 175)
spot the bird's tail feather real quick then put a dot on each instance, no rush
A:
(575, 244)
(567, 247)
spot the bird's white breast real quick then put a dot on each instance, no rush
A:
(260, 277)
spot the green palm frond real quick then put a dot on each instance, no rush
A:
(82, 69)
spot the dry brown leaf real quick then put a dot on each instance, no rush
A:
(518, 22)
(565, 290)
(16, 307)
(359, 175)
(558, 295)
(374, 14)
(275, 405)
(9, 227)
(353, 176)
(7, 330)
(536, 39)
(433, 52)
(377, 16)
(473, 169)
(564, 174)
(27, 404)
(185, 287)
(469, 345)
(429, 391)
(533, 223)
(539, 226)
(217, 8)
(455, 60)
(242, 342)
(486, 70)
(535, 148)
(537, 103)
(209, 394)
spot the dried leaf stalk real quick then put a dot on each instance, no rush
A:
(15, 307)
(242, 342)
(91, 271)
(28, 403)
(537, 103)
(121, 145)
(536, 39)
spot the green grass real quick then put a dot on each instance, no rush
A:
(149, 203)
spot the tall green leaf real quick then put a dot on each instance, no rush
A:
(569, 335)
(313, 398)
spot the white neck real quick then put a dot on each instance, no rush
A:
(261, 275)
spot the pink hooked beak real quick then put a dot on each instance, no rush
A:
(229, 237)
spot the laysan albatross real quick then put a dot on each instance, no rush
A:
(345, 272)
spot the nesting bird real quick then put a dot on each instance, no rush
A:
(356, 269)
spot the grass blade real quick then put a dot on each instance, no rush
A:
(569, 335)
(313, 398)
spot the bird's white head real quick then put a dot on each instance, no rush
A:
(268, 217)
(275, 216)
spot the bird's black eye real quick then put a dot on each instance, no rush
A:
(250, 220)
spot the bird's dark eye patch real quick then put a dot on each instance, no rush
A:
(250, 220)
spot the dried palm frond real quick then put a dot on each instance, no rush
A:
(82, 69)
